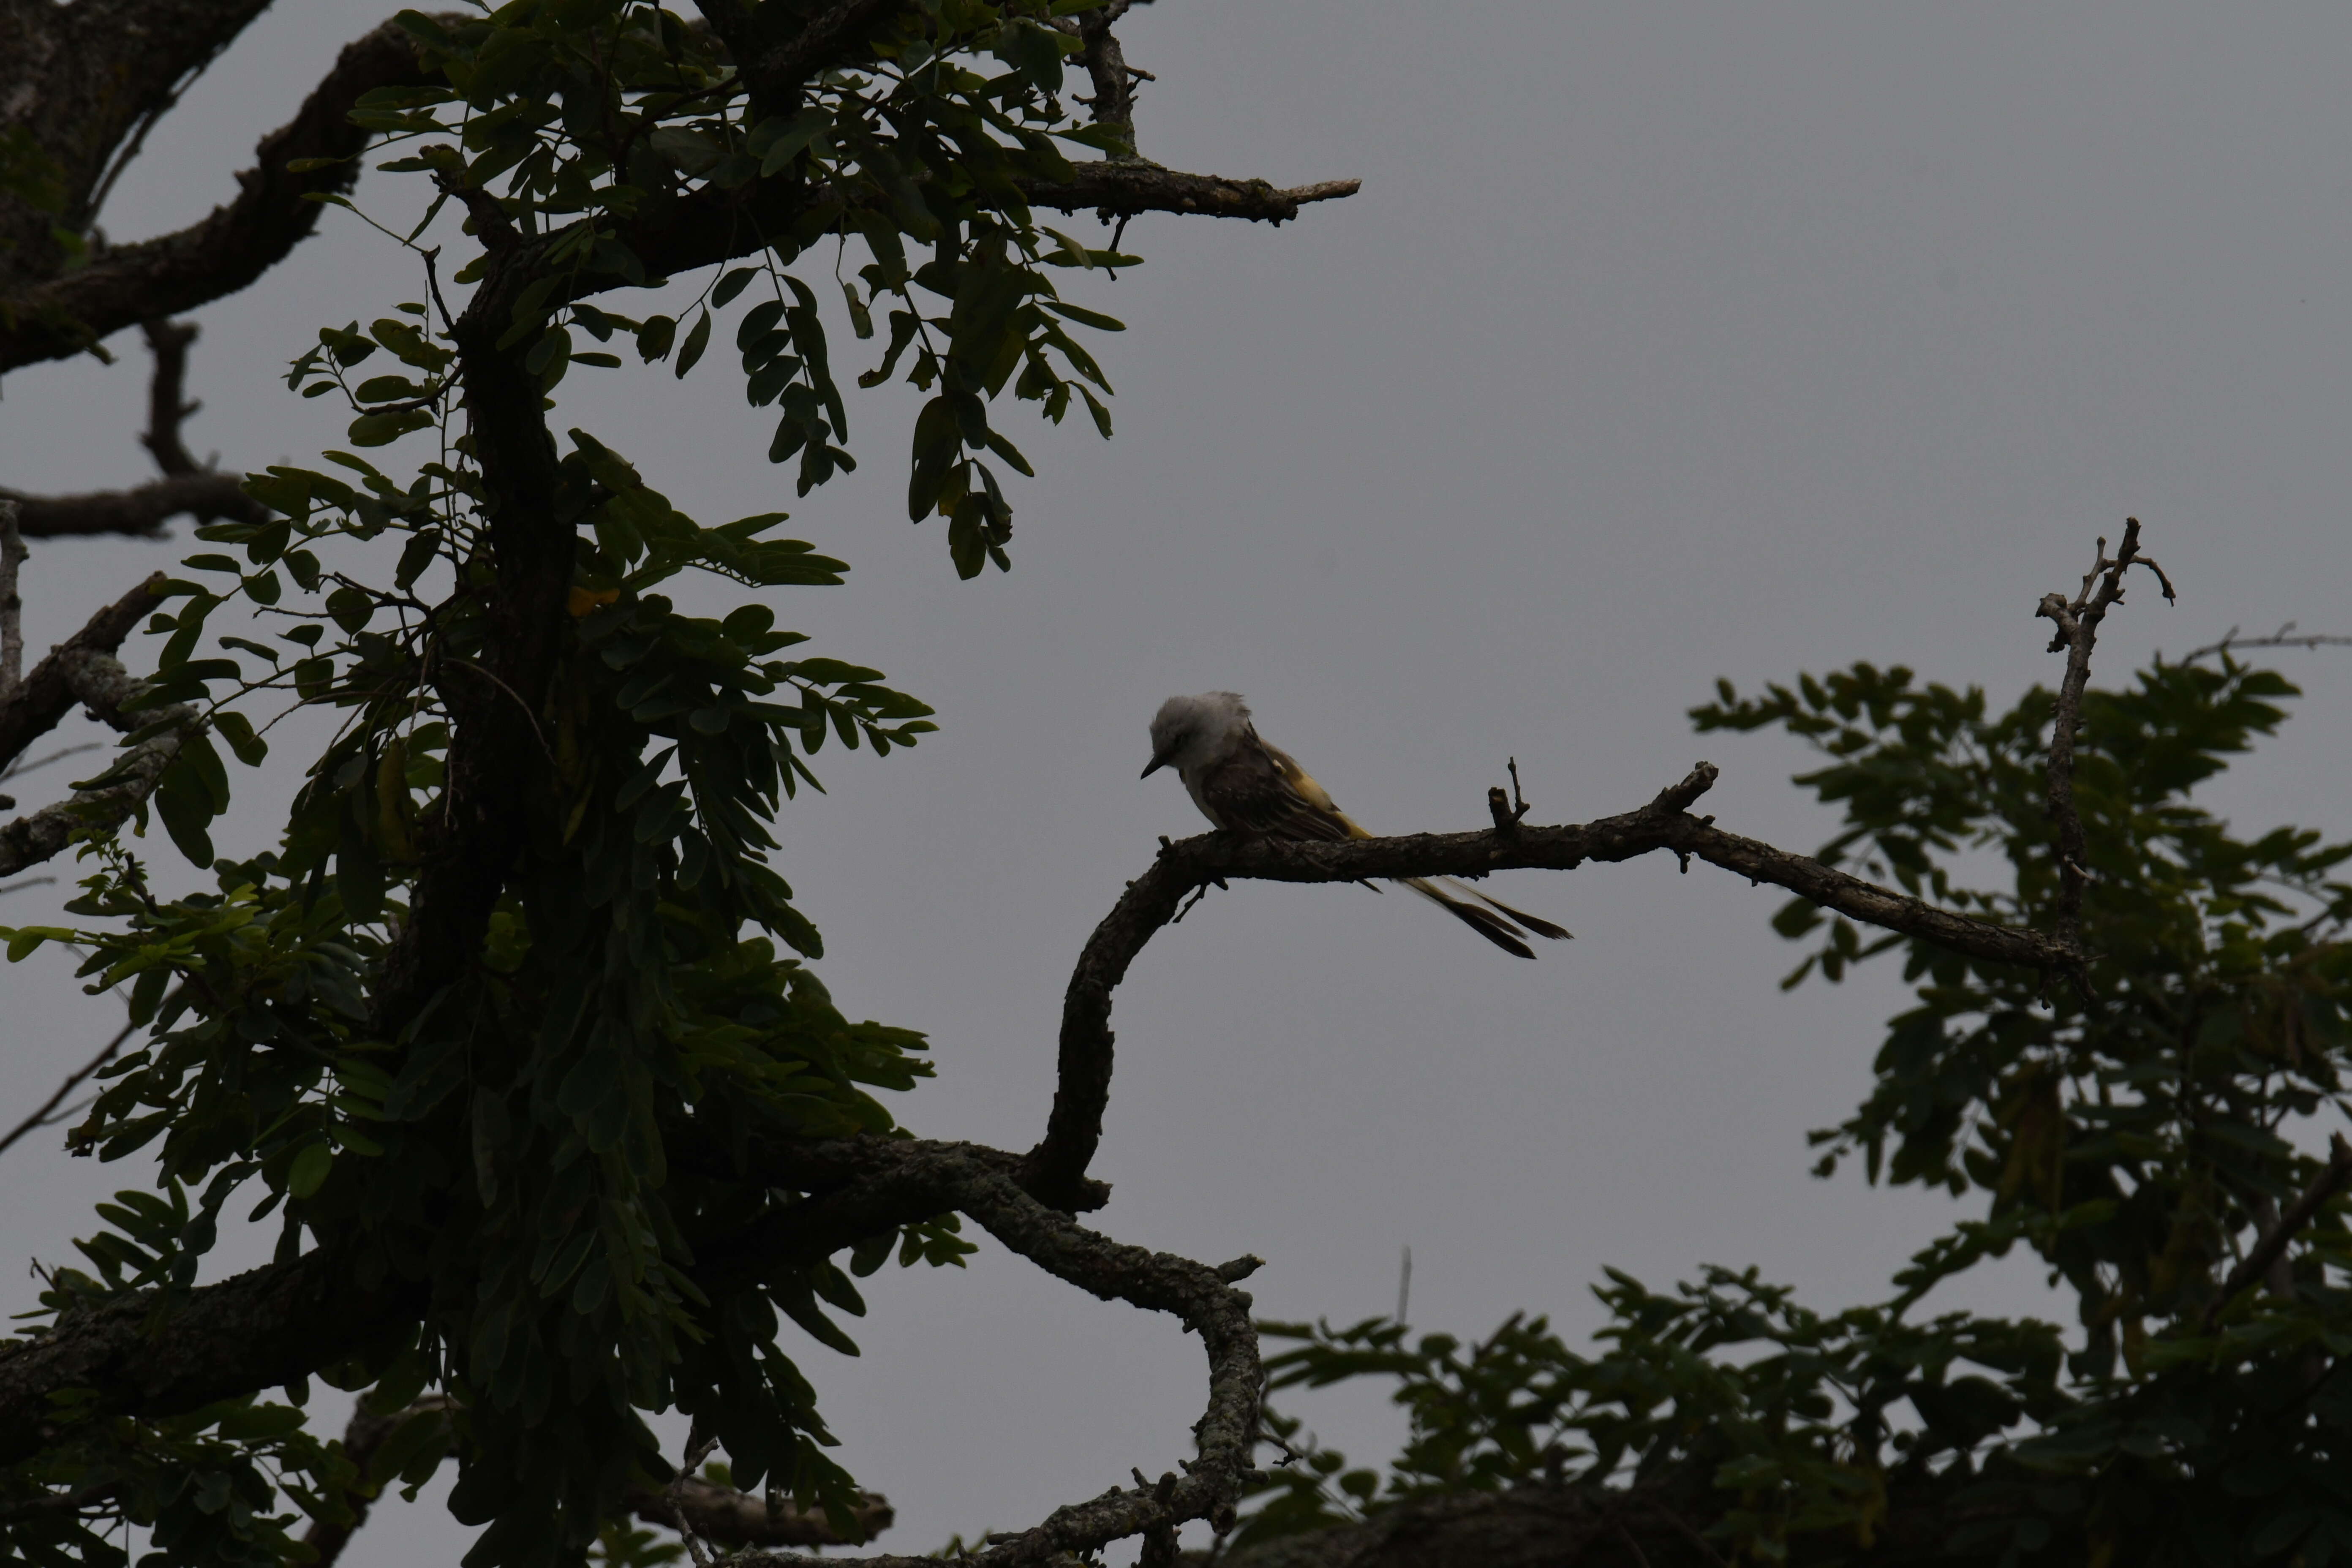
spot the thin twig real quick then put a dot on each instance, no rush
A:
(17, 768)
(2231, 641)
(698, 1448)
(40, 1118)
(1509, 811)
(2256, 1263)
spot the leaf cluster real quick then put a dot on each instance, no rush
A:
(2137, 1134)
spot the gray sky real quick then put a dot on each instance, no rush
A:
(1663, 343)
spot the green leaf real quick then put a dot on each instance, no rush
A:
(237, 730)
(697, 337)
(382, 429)
(776, 143)
(734, 283)
(309, 1171)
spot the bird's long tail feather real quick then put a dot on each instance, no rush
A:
(1542, 927)
(1491, 926)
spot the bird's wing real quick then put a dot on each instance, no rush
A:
(1259, 791)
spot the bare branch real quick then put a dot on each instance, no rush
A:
(229, 248)
(141, 511)
(1114, 100)
(732, 1518)
(43, 1116)
(2256, 1264)
(2077, 634)
(1124, 189)
(110, 692)
(117, 793)
(1198, 1295)
(1151, 900)
(187, 486)
(34, 707)
(2285, 637)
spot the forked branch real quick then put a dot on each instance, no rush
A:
(188, 485)
(83, 670)
(2077, 621)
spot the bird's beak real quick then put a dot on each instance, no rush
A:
(1156, 763)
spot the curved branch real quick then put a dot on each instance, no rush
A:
(1204, 1298)
(230, 248)
(1151, 900)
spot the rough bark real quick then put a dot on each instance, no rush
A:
(68, 71)
(46, 695)
(153, 1357)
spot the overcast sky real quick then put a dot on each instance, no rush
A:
(1663, 343)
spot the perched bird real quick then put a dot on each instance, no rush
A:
(1246, 786)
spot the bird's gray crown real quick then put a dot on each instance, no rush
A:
(1188, 731)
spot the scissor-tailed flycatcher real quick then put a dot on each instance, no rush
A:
(1244, 786)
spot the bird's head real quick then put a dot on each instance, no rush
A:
(1189, 731)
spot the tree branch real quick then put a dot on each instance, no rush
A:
(82, 85)
(113, 796)
(1151, 902)
(12, 603)
(101, 685)
(276, 1324)
(141, 511)
(732, 1518)
(2256, 1264)
(858, 1187)
(494, 763)
(228, 250)
(151, 1356)
(2285, 637)
(1202, 1297)
(35, 705)
(718, 1514)
(40, 1116)
(822, 41)
(187, 486)
(1126, 189)
(2077, 633)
